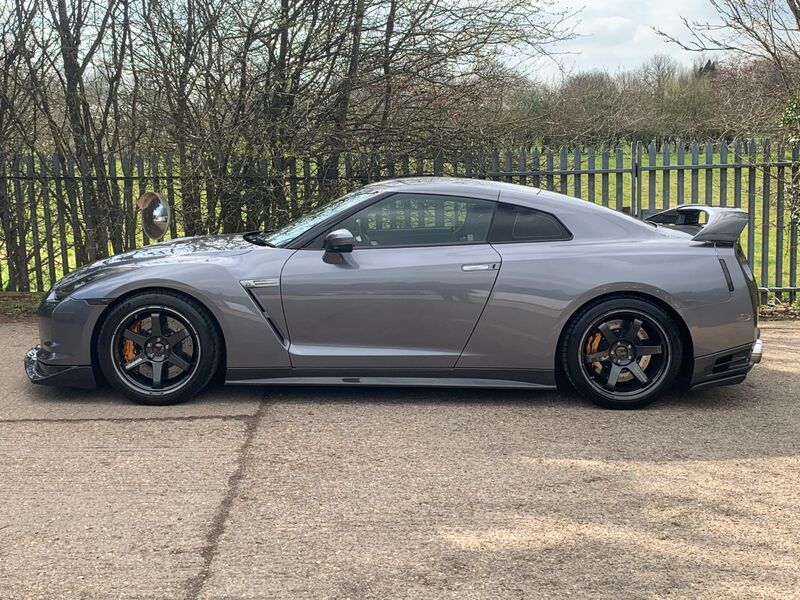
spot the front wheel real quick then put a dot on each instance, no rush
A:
(622, 353)
(158, 348)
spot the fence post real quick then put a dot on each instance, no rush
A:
(695, 173)
(438, 163)
(795, 209)
(665, 180)
(293, 205)
(604, 179)
(140, 172)
(680, 178)
(88, 208)
(709, 191)
(751, 202)
(8, 231)
(563, 167)
(129, 236)
(22, 230)
(723, 174)
(307, 181)
(636, 190)
(779, 225)
(737, 174)
(61, 209)
(651, 176)
(211, 197)
(170, 183)
(619, 166)
(765, 213)
(48, 219)
(115, 227)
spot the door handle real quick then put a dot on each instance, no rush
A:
(479, 267)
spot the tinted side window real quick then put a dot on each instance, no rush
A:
(520, 224)
(421, 220)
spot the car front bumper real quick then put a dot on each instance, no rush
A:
(63, 356)
(61, 375)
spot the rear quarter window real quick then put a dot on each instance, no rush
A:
(519, 224)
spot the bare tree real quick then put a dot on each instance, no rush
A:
(766, 30)
(84, 48)
(15, 127)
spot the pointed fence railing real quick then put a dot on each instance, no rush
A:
(58, 213)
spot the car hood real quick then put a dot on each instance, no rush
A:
(197, 246)
(212, 248)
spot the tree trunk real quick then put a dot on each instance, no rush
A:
(336, 141)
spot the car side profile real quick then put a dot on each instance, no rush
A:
(419, 281)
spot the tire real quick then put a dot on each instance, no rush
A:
(622, 352)
(159, 348)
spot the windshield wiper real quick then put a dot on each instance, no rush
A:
(259, 238)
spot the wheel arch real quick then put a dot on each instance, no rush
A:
(223, 359)
(687, 361)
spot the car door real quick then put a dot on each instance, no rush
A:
(408, 295)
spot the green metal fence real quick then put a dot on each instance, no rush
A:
(60, 212)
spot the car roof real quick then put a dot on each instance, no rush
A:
(511, 192)
(433, 185)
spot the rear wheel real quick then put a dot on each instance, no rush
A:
(622, 353)
(158, 348)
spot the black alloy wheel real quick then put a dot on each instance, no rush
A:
(622, 352)
(158, 348)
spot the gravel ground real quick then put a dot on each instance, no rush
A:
(372, 493)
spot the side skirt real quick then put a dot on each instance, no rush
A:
(468, 378)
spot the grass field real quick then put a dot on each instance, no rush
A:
(656, 189)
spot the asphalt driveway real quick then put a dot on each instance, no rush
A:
(376, 493)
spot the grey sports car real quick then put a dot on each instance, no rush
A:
(425, 282)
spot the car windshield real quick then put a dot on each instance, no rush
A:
(291, 231)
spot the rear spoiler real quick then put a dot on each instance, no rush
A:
(723, 225)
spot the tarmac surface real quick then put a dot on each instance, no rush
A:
(401, 493)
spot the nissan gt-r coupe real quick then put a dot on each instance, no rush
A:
(425, 282)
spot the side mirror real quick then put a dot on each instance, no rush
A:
(340, 240)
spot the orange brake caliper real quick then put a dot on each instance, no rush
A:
(128, 347)
(594, 343)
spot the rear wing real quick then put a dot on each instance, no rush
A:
(723, 225)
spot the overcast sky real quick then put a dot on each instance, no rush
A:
(618, 34)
